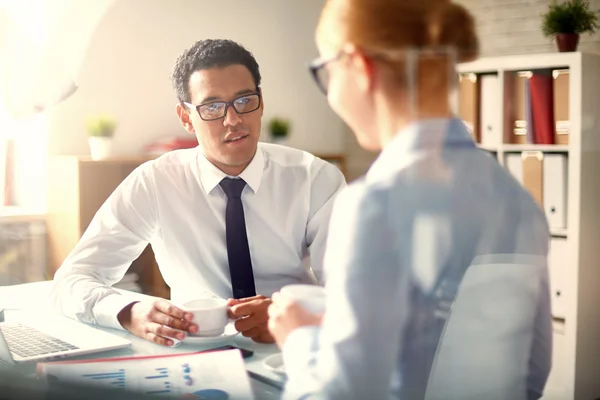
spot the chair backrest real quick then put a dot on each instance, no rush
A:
(484, 350)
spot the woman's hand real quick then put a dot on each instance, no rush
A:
(285, 315)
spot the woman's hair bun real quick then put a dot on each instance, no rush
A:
(451, 25)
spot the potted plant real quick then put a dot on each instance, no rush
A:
(279, 130)
(566, 21)
(101, 130)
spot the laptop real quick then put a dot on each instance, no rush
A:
(28, 337)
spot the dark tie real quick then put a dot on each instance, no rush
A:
(238, 252)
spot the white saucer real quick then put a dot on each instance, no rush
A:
(274, 363)
(230, 333)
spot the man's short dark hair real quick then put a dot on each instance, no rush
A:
(206, 54)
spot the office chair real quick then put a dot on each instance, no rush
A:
(485, 347)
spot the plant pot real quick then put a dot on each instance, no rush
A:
(567, 41)
(100, 147)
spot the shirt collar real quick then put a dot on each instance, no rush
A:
(410, 142)
(211, 176)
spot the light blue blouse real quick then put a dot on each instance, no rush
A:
(437, 281)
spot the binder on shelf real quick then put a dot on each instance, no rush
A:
(558, 268)
(529, 114)
(555, 190)
(490, 134)
(533, 175)
(514, 106)
(561, 106)
(519, 132)
(469, 103)
(514, 164)
(542, 106)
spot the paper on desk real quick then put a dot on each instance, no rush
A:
(197, 375)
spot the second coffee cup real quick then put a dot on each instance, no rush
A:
(310, 297)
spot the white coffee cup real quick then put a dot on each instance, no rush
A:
(310, 297)
(209, 314)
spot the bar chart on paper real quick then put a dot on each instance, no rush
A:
(114, 379)
(209, 376)
(158, 382)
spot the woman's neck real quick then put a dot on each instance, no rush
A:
(394, 117)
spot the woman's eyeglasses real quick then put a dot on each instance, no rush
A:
(218, 109)
(320, 73)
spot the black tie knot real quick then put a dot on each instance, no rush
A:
(233, 187)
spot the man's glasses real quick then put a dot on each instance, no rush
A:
(218, 109)
(320, 73)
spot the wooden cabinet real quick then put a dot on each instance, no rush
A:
(339, 160)
(77, 187)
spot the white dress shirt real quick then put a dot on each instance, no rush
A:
(432, 210)
(176, 204)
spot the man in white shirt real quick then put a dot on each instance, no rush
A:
(232, 218)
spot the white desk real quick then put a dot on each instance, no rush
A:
(33, 296)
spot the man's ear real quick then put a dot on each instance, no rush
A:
(262, 101)
(184, 118)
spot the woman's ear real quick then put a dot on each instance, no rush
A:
(364, 67)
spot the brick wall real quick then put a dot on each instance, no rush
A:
(505, 27)
(513, 27)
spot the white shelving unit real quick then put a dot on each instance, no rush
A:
(576, 359)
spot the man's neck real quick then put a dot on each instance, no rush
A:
(231, 170)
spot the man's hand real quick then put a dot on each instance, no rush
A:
(285, 316)
(252, 318)
(157, 321)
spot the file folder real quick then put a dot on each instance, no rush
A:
(558, 268)
(515, 106)
(469, 103)
(514, 164)
(533, 175)
(561, 106)
(489, 116)
(529, 113)
(542, 107)
(555, 190)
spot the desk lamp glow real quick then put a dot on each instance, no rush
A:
(42, 46)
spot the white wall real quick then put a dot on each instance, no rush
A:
(126, 70)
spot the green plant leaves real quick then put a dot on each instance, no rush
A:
(101, 126)
(571, 16)
(279, 127)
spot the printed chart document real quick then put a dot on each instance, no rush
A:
(208, 375)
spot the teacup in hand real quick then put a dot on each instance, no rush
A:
(309, 297)
(209, 314)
